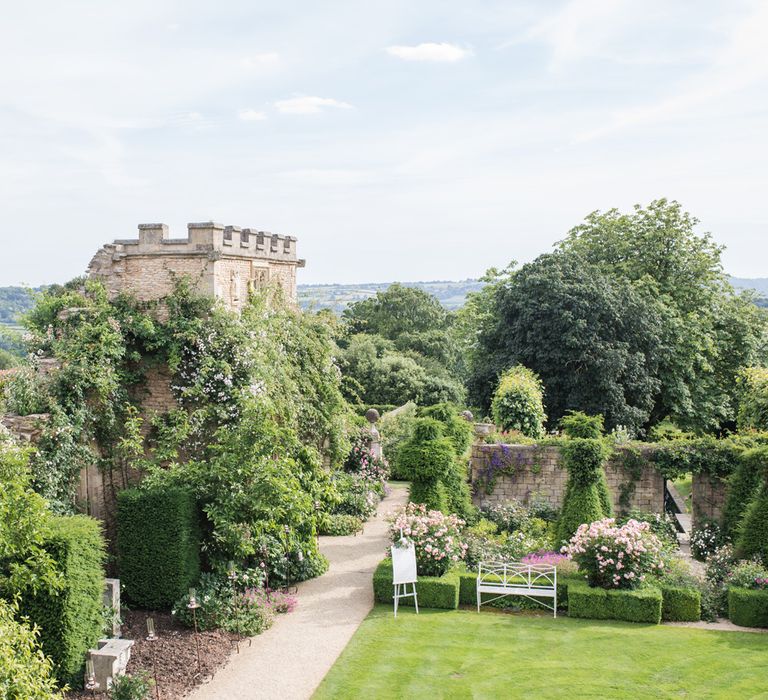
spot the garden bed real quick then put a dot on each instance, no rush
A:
(175, 654)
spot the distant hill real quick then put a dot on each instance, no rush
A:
(337, 296)
(15, 301)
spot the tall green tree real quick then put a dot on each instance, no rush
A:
(708, 333)
(593, 340)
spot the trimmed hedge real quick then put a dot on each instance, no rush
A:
(434, 592)
(641, 605)
(743, 486)
(158, 544)
(748, 608)
(753, 535)
(468, 589)
(70, 619)
(680, 604)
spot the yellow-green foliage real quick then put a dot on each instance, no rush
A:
(25, 672)
(518, 403)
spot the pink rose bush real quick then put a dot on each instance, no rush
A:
(614, 556)
(436, 536)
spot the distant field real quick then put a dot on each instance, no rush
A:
(15, 301)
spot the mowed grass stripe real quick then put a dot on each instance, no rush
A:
(460, 654)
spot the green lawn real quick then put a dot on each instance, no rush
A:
(460, 654)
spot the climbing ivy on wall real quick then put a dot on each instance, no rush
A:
(259, 406)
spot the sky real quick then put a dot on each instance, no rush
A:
(397, 140)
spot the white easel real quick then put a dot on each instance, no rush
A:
(404, 571)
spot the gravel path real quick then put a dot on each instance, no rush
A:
(288, 661)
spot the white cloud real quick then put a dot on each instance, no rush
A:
(260, 60)
(251, 115)
(740, 64)
(442, 53)
(309, 105)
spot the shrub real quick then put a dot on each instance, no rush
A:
(753, 399)
(131, 687)
(25, 672)
(748, 574)
(580, 425)
(743, 485)
(158, 543)
(662, 525)
(232, 606)
(70, 619)
(338, 525)
(428, 459)
(586, 497)
(441, 592)
(753, 531)
(510, 516)
(436, 536)
(427, 456)
(614, 556)
(518, 403)
(357, 496)
(640, 605)
(361, 460)
(748, 608)
(24, 520)
(396, 429)
(431, 494)
(706, 538)
(455, 428)
(506, 546)
(680, 604)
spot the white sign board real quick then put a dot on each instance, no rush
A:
(403, 564)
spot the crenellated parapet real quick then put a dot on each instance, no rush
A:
(227, 261)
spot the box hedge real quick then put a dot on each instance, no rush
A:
(434, 592)
(158, 544)
(748, 608)
(70, 619)
(680, 604)
(641, 605)
(468, 590)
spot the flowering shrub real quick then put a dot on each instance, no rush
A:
(749, 574)
(565, 565)
(615, 556)
(224, 604)
(362, 461)
(706, 539)
(436, 536)
(358, 496)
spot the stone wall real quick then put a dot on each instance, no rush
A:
(708, 497)
(27, 428)
(538, 471)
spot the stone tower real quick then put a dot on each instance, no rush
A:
(226, 262)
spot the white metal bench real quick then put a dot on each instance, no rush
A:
(531, 581)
